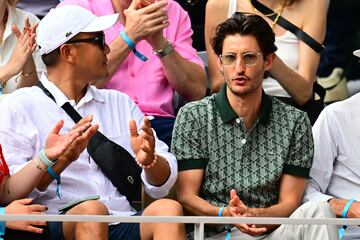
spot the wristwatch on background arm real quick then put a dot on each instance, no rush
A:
(165, 51)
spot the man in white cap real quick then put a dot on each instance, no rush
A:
(71, 41)
(151, 56)
(335, 173)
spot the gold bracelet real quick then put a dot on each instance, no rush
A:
(27, 74)
(37, 163)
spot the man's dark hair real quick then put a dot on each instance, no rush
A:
(245, 24)
(52, 58)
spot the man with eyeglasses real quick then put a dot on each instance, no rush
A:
(71, 42)
(242, 153)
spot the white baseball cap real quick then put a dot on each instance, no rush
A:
(357, 53)
(63, 23)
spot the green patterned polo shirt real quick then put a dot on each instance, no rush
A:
(209, 135)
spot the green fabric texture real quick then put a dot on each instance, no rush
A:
(251, 162)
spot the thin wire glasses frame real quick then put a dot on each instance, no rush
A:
(99, 40)
(230, 59)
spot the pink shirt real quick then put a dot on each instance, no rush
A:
(145, 82)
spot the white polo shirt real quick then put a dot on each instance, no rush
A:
(27, 116)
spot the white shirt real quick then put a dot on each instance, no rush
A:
(28, 115)
(17, 16)
(336, 167)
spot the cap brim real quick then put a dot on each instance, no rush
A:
(101, 23)
(357, 53)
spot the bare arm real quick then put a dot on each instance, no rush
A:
(291, 192)
(139, 23)
(338, 206)
(299, 83)
(187, 189)
(216, 12)
(23, 182)
(186, 77)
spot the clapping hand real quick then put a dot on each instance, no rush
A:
(25, 46)
(71, 144)
(142, 144)
(143, 23)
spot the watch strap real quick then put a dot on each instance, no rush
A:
(165, 51)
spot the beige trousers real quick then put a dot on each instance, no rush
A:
(296, 232)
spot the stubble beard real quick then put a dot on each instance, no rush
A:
(242, 91)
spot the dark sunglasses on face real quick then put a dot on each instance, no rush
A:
(99, 40)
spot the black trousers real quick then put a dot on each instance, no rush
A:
(22, 235)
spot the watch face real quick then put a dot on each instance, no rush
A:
(165, 51)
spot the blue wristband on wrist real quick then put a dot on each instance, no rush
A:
(228, 229)
(220, 212)
(132, 46)
(342, 230)
(2, 224)
(347, 207)
(58, 181)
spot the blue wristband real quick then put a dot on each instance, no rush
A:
(132, 46)
(2, 224)
(228, 233)
(58, 181)
(347, 207)
(220, 212)
(342, 230)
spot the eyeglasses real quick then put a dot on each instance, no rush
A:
(249, 58)
(99, 40)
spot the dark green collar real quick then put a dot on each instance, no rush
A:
(227, 113)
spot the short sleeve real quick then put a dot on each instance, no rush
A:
(188, 140)
(301, 151)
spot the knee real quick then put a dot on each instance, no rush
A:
(318, 209)
(164, 207)
(91, 207)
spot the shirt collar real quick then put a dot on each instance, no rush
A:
(61, 99)
(227, 113)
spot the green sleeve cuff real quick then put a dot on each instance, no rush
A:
(187, 164)
(296, 171)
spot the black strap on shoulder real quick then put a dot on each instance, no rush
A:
(75, 116)
(306, 38)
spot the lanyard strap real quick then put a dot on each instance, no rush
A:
(58, 181)
(228, 228)
(2, 224)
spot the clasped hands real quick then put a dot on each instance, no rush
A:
(236, 208)
(145, 19)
